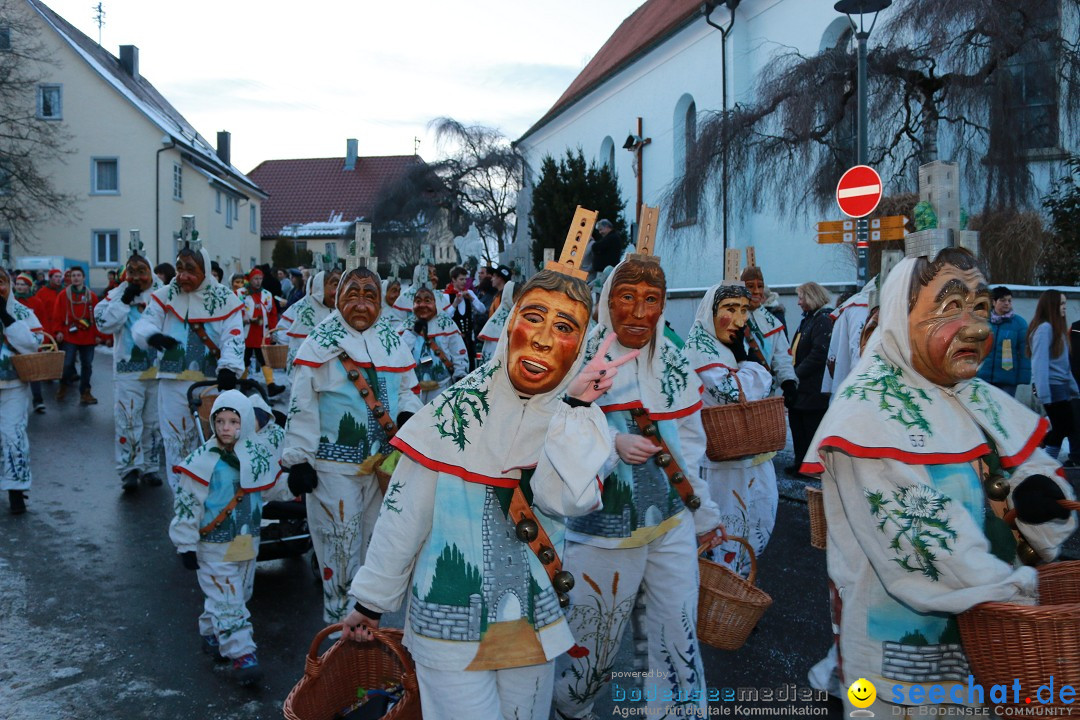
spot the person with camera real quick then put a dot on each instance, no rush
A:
(74, 329)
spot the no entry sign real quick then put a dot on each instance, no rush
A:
(859, 191)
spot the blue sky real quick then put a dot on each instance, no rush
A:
(295, 79)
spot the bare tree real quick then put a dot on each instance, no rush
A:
(28, 142)
(984, 79)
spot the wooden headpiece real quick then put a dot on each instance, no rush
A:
(574, 248)
(647, 234)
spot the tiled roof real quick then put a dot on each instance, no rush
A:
(315, 189)
(644, 29)
(145, 97)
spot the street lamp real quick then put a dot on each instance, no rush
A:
(707, 8)
(861, 8)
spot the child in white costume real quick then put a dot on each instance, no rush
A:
(196, 325)
(484, 615)
(333, 429)
(218, 510)
(436, 345)
(22, 335)
(643, 537)
(300, 319)
(910, 452)
(745, 492)
(135, 384)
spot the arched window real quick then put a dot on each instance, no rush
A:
(684, 132)
(607, 153)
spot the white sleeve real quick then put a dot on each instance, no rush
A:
(280, 331)
(21, 337)
(302, 428)
(111, 315)
(403, 527)
(150, 323)
(187, 513)
(719, 382)
(408, 394)
(459, 355)
(1046, 538)
(477, 306)
(692, 440)
(576, 448)
(232, 344)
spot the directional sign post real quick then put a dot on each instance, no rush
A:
(858, 194)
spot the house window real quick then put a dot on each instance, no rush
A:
(106, 250)
(104, 176)
(685, 135)
(236, 209)
(217, 201)
(607, 153)
(252, 218)
(49, 102)
(5, 247)
(1030, 86)
(230, 209)
(177, 181)
(5, 38)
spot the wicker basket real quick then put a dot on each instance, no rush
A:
(815, 502)
(46, 364)
(1006, 642)
(744, 428)
(728, 606)
(276, 356)
(330, 681)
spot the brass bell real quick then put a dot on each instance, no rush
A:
(1026, 553)
(546, 555)
(363, 391)
(378, 411)
(564, 600)
(353, 375)
(637, 412)
(650, 430)
(996, 487)
(693, 502)
(678, 478)
(563, 582)
(526, 530)
(389, 426)
(663, 460)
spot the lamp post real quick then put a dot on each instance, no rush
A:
(708, 7)
(861, 8)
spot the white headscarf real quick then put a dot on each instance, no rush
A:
(16, 309)
(493, 327)
(703, 348)
(256, 451)
(207, 303)
(142, 298)
(885, 409)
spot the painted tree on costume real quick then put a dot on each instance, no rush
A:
(979, 394)
(461, 401)
(387, 336)
(328, 334)
(676, 372)
(454, 580)
(919, 518)
(884, 381)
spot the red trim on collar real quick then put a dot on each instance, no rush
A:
(710, 366)
(295, 335)
(811, 468)
(485, 338)
(169, 308)
(196, 478)
(835, 314)
(1024, 453)
(454, 470)
(773, 331)
(378, 368)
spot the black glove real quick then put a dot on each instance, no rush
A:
(226, 379)
(420, 328)
(189, 560)
(162, 342)
(1035, 500)
(790, 388)
(302, 479)
(130, 293)
(402, 418)
(5, 316)
(737, 348)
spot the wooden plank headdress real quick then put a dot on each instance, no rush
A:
(573, 251)
(647, 235)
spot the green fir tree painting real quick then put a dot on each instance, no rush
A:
(350, 432)
(455, 579)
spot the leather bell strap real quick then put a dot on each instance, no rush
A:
(209, 528)
(666, 459)
(997, 489)
(356, 377)
(540, 543)
(201, 332)
(755, 352)
(442, 356)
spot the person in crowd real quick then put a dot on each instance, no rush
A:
(238, 284)
(849, 319)
(196, 325)
(300, 319)
(22, 335)
(745, 491)
(260, 319)
(215, 527)
(909, 453)
(73, 327)
(464, 306)
(1008, 364)
(353, 386)
(299, 287)
(112, 282)
(766, 336)
(502, 485)
(436, 345)
(165, 273)
(391, 295)
(485, 291)
(30, 295)
(138, 439)
(286, 283)
(809, 351)
(1052, 376)
(217, 272)
(492, 330)
(1074, 349)
(655, 511)
(607, 247)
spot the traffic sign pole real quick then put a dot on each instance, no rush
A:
(862, 250)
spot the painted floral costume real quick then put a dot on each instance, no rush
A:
(22, 336)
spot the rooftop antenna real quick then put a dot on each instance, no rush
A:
(415, 145)
(99, 18)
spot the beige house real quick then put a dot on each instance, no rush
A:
(133, 162)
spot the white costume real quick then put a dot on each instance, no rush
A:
(848, 321)
(135, 384)
(301, 317)
(210, 479)
(489, 334)
(23, 336)
(911, 542)
(642, 538)
(332, 429)
(744, 490)
(431, 371)
(173, 312)
(769, 333)
(484, 622)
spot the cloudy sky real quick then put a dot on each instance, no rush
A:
(295, 79)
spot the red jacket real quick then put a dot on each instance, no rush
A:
(44, 301)
(75, 317)
(263, 309)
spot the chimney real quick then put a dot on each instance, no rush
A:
(350, 154)
(224, 142)
(129, 60)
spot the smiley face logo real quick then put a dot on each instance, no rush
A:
(862, 693)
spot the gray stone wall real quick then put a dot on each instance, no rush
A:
(547, 609)
(600, 524)
(506, 561)
(923, 663)
(446, 622)
(339, 453)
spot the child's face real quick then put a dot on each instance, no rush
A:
(227, 428)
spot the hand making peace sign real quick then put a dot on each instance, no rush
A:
(595, 378)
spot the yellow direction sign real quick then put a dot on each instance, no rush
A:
(888, 234)
(825, 238)
(830, 226)
(890, 221)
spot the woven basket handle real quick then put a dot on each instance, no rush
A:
(742, 395)
(753, 556)
(1010, 516)
(313, 664)
(50, 346)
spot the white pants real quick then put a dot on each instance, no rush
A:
(521, 693)
(747, 498)
(227, 587)
(341, 512)
(607, 583)
(178, 432)
(138, 442)
(14, 442)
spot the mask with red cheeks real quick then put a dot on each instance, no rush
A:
(635, 310)
(393, 292)
(139, 274)
(730, 318)
(189, 272)
(424, 305)
(359, 301)
(544, 332)
(330, 288)
(949, 326)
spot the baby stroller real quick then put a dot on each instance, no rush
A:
(284, 531)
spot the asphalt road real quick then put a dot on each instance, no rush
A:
(98, 618)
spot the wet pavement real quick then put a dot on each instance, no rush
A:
(98, 618)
